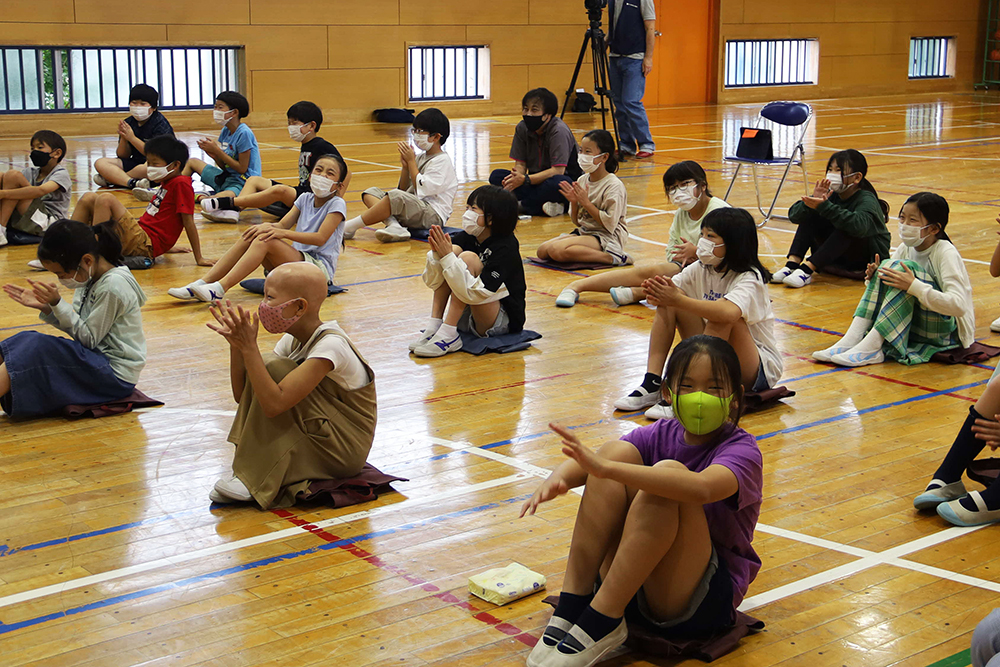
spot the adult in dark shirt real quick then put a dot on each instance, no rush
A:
(544, 151)
(128, 168)
(275, 197)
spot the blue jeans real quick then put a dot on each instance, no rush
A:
(628, 85)
(533, 196)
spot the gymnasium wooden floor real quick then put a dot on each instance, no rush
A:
(112, 555)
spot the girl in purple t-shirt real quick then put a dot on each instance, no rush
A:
(667, 520)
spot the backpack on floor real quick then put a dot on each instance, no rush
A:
(393, 115)
(584, 102)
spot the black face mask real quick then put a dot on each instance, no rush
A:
(534, 123)
(40, 158)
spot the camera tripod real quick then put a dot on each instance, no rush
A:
(599, 54)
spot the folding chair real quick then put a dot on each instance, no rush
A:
(789, 114)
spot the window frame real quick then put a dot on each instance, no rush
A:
(759, 67)
(483, 71)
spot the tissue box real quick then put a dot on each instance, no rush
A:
(506, 584)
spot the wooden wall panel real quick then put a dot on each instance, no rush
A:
(508, 85)
(559, 12)
(362, 89)
(463, 12)
(267, 47)
(325, 12)
(556, 78)
(385, 45)
(83, 34)
(30, 11)
(196, 12)
(530, 44)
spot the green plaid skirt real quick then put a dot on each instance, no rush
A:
(912, 333)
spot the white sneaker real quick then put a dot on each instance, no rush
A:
(36, 264)
(3, 236)
(567, 298)
(623, 296)
(640, 401)
(995, 325)
(100, 181)
(437, 346)
(857, 359)
(144, 194)
(797, 278)
(144, 184)
(779, 276)
(185, 293)
(553, 208)
(221, 216)
(208, 292)
(425, 336)
(660, 411)
(592, 651)
(230, 490)
(828, 354)
(209, 204)
(392, 233)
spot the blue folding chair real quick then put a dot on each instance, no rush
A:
(789, 114)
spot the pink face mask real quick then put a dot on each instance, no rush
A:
(273, 320)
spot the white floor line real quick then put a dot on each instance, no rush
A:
(642, 240)
(286, 533)
(374, 164)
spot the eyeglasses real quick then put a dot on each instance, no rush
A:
(690, 183)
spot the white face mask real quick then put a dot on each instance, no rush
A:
(297, 132)
(73, 283)
(911, 236)
(420, 141)
(837, 181)
(157, 174)
(706, 252)
(322, 186)
(683, 198)
(220, 116)
(586, 162)
(470, 223)
(140, 113)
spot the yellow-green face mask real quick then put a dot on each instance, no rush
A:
(701, 413)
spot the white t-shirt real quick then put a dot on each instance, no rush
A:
(437, 183)
(685, 227)
(348, 371)
(747, 291)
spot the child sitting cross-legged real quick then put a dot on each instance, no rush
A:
(477, 277)
(666, 524)
(306, 412)
(317, 237)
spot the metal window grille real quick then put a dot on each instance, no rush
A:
(929, 57)
(65, 79)
(770, 62)
(448, 73)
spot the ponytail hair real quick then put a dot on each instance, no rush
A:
(66, 242)
(606, 143)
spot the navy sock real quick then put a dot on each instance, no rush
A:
(805, 269)
(963, 451)
(132, 182)
(652, 382)
(792, 265)
(226, 203)
(571, 605)
(595, 624)
(991, 496)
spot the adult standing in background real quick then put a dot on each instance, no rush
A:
(631, 31)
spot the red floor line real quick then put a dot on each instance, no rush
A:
(473, 392)
(370, 252)
(445, 596)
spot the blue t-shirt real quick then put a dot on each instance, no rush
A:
(310, 220)
(240, 141)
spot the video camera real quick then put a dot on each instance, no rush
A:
(595, 9)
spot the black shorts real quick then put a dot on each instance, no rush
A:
(128, 163)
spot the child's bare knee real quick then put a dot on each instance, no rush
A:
(670, 463)
(86, 198)
(618, 450)
(106, 198)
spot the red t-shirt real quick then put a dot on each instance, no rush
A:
(162, 219)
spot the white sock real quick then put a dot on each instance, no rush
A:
(856, 332)
(433, 324)
(353, 225)
(447, 331)
(197, 283)
(391, 220)
(870, 343)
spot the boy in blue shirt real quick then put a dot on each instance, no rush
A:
(128, 168)
(236, 154)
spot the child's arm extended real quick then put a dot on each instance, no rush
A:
(192, 233)
(239, 327)
(714, 483)
(30, 191)
(665, 293)
(105, 309)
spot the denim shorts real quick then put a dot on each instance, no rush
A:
(500, 326)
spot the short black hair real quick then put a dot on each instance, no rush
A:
(933, 207)
(306, 112)
(606, 144)
(499, 208)
(550, 104)
(169, 148)
(852, 161)
(433, 121)
(66, 242)
(145, 93)
(234, 100)
(738, 231)
(341, 165)
(52, 140)
(725, 367)
(688, 170)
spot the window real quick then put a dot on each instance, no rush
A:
(63, 79)
(448, 73)
(771, 62)
(932, 57)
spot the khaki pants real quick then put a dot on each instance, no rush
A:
(135, 241)
(409, 209)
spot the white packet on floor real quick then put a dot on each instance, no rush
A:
(506, 584)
